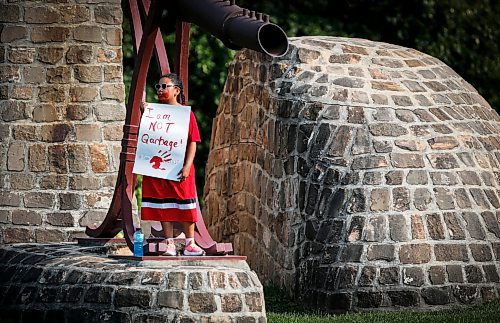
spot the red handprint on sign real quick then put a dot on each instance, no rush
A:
(157, 160)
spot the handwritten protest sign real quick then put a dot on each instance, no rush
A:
(161, 145)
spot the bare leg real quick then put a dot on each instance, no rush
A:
(189, 229)
(168, 229)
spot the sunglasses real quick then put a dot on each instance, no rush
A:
(163, 86)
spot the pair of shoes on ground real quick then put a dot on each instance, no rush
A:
(191, 249)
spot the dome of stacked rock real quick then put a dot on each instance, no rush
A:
(358, 175)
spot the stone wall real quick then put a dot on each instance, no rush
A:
(358, 175)
(71, 283)
(62, 112)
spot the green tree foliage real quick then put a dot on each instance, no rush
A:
(462, 33)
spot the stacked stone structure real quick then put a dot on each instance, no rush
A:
(62, 112)
(358, 174)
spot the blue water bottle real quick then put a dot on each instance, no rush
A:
(138, 242)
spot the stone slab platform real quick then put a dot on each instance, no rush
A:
(67, 282)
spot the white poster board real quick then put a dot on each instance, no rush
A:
(161, 145)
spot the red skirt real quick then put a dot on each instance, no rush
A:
(169, 201)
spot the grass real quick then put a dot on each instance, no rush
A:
(281, 309)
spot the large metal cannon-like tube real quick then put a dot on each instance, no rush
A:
(237, 27)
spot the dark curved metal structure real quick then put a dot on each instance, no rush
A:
(237, 28)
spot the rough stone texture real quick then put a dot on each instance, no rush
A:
(55, 88)
(66, 282)
(354, 180)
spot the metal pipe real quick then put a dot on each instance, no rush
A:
(237, 31)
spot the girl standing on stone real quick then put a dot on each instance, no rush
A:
(171, 201)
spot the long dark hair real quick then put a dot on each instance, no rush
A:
(177, 82)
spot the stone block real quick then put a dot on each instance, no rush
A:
(99, 158)
(389, 276)
(9, 199)
(491, 273)
(52, 93)
(113, 36)
(113, 132)
(415, 253)
(59, 75)
(92, 218)
(125, 297)
(443, 178)
(375, 229)
(417, 177)
(401, 160)
(91, 34)
(109, 55)
(442, 161)
(39, 200)
(88, 132)
(26, 217)
(21, 92)
(369, 299)
(380, 252)
(113, 73)
(88, 73)
(231, 303)
(216, 279)
(176, 280)
(397, 226)
(379, 200)
(153, 278)
(50, 54)
(171, 299)
(77, 111)
(455, 274)
(449, 252)
(45, 113)
(9, 73)
(473, 225)
(368, 275)
(400, 199)
(17, 235)
(60, 219)
(24, 132)
(69, 201)
(473, 274)
(123, 278)
(21, 55)
(455, 229)
(444, 198)
(80, 182)
(413, 276)
(437, 275)
(113, 92)
(202, 302)
(37, 158)
(41, 15)
(109, 112)
(82, 94)
(462, 198)
(422, 198)
(254, 302)
(57, 160)
(436, 295)
(443, 143)
(5, 216)
(16, 156)
(405, 298)
(49, 34)
(110, 15)
(34, 74)
(12, 33)
(480, 252)
(13, 110)
(71, 14)
(81, 54)
(394, 177)
(435, 226)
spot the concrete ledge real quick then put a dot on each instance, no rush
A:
(67, 282)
